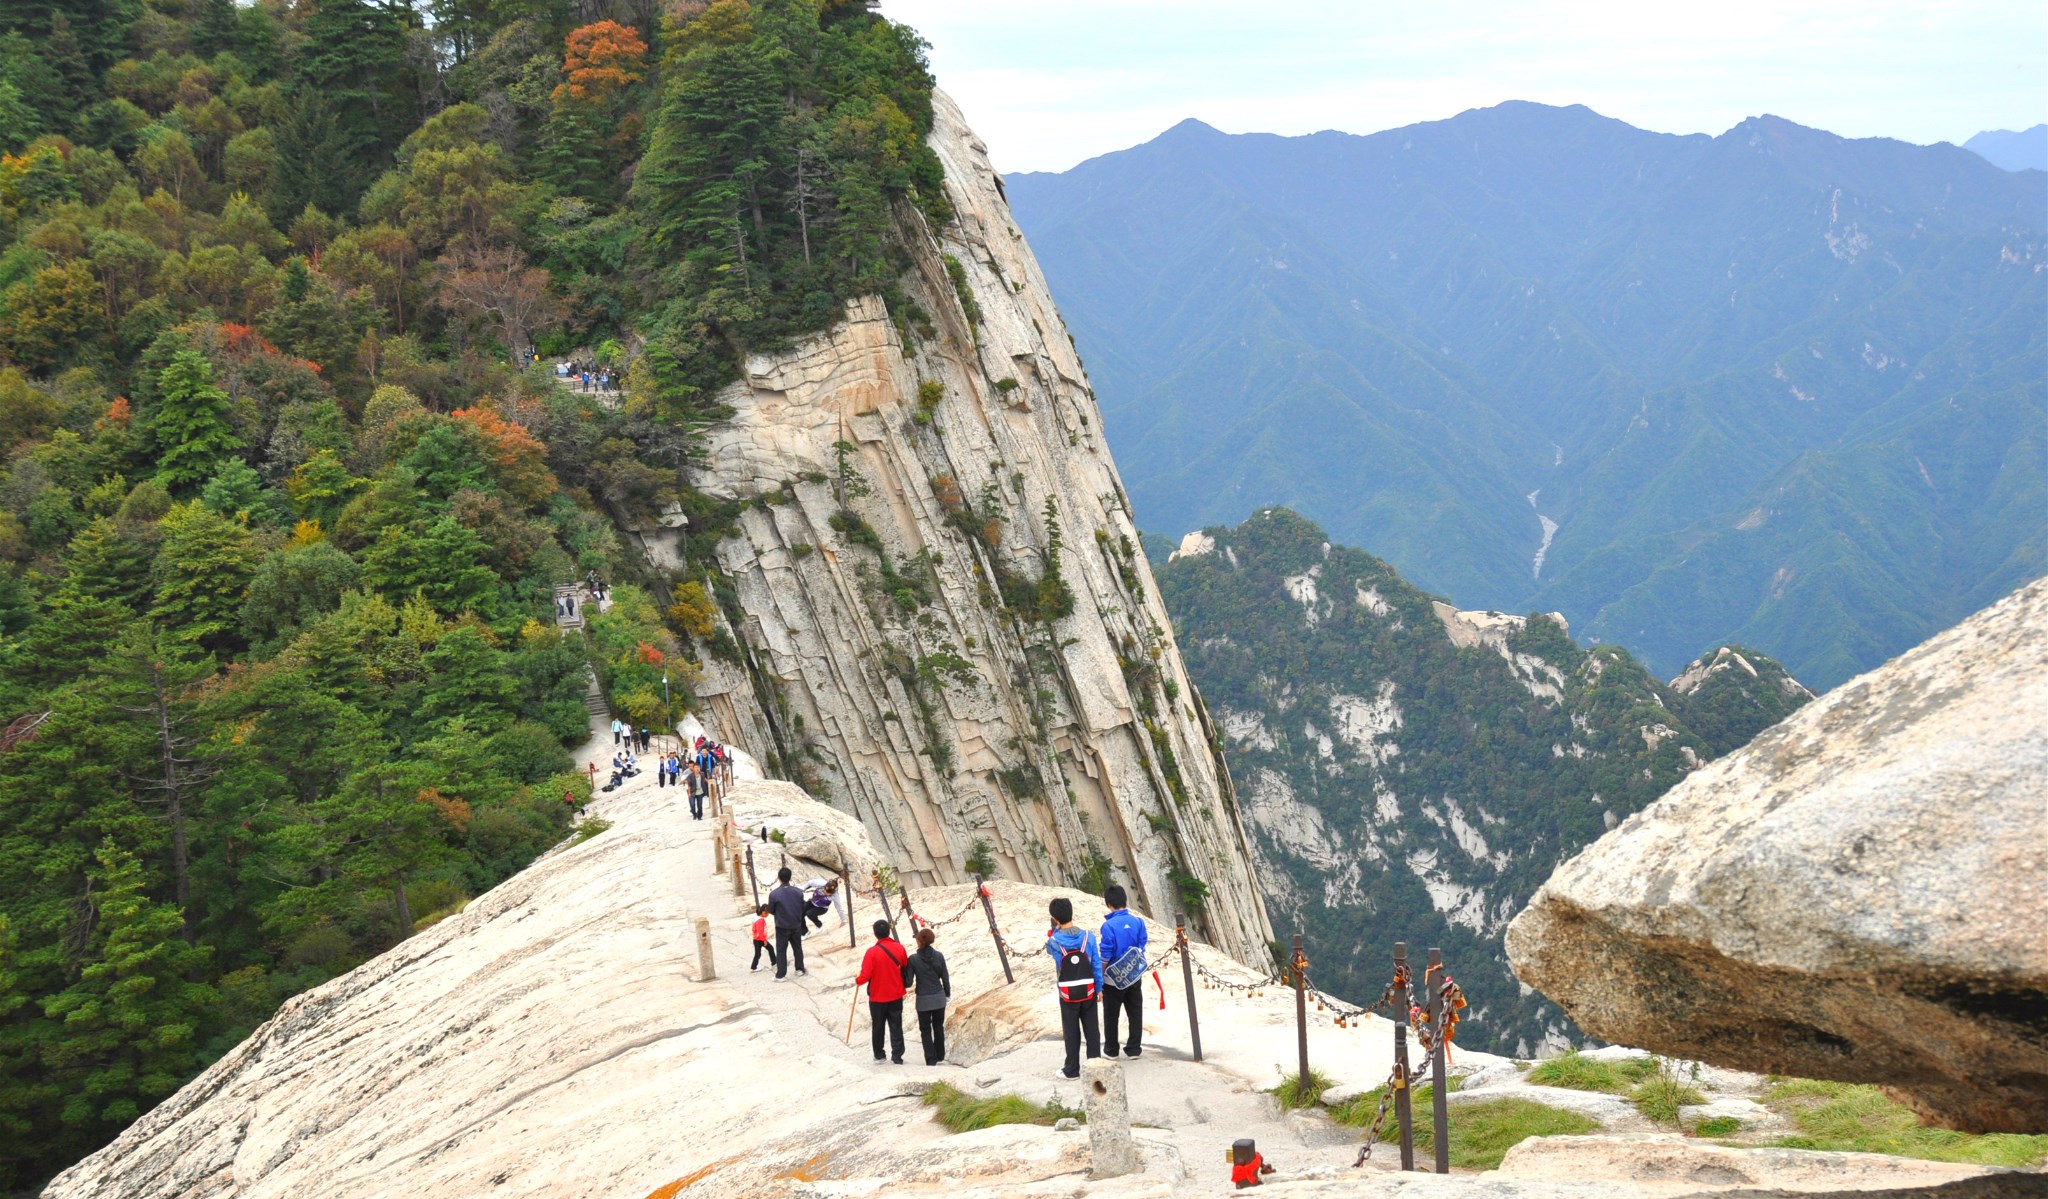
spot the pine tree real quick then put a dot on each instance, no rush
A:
(191, 426)
(202, 576)
(131, 1023)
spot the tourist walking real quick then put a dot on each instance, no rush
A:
(700, 788)
(787, 904)
(934, 990)
(882, 971)
(1077, 974)
(1123, 939)
(618, 730)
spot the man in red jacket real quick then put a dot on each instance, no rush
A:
(882, 971)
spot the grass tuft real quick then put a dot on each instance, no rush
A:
(1291, 1094)
(1850, 1117)
(961, 1112)
(1482, 1133)
(1660, 1095)
(588, 827)
(1575, 1071)
(1717, 1126)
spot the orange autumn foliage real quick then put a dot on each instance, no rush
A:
(518, 458)
(601, 60)
(452, 808)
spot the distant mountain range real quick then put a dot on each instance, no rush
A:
(2021, 150)
(1410, 771)
(1774, 387)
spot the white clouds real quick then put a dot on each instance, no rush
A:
(1051, 82)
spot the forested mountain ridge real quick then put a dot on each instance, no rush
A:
(281, 512)
(1410, 771)
(1774, 386)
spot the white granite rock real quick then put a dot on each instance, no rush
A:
(933, 715)
(1859, 894)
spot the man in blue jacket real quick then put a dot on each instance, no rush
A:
(1077, 974)
(1123, 954)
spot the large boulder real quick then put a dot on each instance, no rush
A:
(1861, 893)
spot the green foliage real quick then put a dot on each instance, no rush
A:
(191, 426)
(961, 1112)
(1853, 1118)
(1660, 1096)
(588, 827)
(786, 148)
(266, 468)
(1578, 1072)
(1482, 1132)
(981, 859)
(1717, 1126)
(1292, 1095)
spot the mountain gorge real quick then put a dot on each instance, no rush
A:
(1773, 387)
(1410, 771)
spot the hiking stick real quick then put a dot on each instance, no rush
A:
(852, 1005)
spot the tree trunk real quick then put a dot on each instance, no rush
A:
(167, 747)
(402, 907)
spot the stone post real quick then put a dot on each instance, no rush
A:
(1109, 1119)
(705, 972)
(739, 882)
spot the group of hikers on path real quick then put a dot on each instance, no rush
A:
(694, 770)
(1090, 969)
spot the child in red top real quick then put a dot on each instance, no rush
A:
(761, 938)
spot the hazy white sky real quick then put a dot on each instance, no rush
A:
(1048, 83)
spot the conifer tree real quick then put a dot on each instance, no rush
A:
(191, 427)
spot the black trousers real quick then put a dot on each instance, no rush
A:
(931, 1029)
(1077, 1021)
(789, 942)
(761, 947)
(888, 1016)
(1121, 1002)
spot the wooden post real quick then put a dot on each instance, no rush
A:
(846, 889)
(907, 909)
(1187, 978)
(1404, 1110)
(1298, 967)
(753, 878)
(989, 909)
(1439, 1112)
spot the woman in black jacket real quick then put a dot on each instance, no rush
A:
(934, 987)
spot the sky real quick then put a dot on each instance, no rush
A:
(1048, 83)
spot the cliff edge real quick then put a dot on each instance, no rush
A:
(948, 626)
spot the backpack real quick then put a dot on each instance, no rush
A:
(1128, 970)
(1076, 975)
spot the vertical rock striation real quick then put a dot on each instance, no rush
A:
(947, 625)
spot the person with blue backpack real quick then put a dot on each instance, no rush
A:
(1077, 975)
(1123, 972)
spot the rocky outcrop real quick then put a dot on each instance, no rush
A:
(1861, 893)
(554, 1040)
(949, 629)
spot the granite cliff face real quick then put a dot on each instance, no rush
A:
(948, 626)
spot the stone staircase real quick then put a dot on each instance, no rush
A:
(570, 618)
